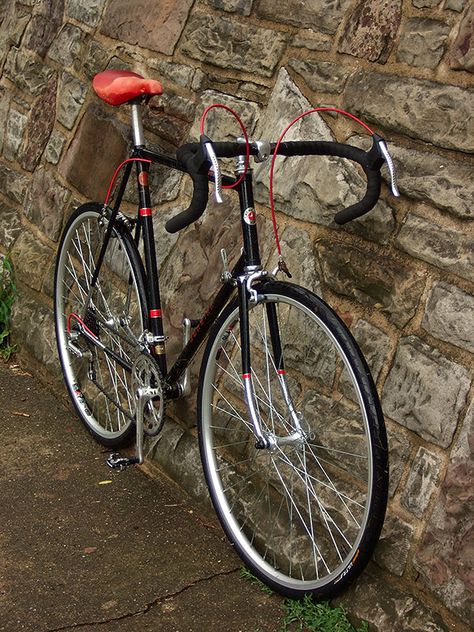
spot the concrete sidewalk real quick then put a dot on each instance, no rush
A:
(84, 547)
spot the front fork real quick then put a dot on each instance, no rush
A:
(264, 440)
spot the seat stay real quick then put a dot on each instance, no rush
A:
(110, 226)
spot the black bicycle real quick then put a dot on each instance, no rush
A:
(291, 431)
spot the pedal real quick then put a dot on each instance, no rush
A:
(117, 462)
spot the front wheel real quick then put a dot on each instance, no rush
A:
(305, 512)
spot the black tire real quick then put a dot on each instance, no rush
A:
(98, 385)
(304, 515)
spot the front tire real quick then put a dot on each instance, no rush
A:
(304, 515)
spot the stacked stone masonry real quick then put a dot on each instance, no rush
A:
(402, 277)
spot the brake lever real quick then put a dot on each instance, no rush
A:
(391, 167)
(211, 154)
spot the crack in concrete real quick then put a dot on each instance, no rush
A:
(148, 607)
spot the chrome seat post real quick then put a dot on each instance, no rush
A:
(137, 127)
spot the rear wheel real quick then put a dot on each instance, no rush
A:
(98, 374)
(305, 513)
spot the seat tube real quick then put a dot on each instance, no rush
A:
(152, 283)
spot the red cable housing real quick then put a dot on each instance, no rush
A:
(275, 153)
(74, 316)
(114, 177)
(244, 132)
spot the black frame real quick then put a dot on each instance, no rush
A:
(249, 260)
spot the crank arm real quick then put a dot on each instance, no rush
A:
(144, 395)
(115, 461)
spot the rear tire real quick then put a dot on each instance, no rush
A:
(304, 516)
(99, 386)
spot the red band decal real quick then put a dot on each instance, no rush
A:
(155, 313)
(246, 376)
(281, 371)
(145, 212)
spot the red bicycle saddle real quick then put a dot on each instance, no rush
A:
(119, 86)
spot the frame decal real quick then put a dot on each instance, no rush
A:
(250, 216)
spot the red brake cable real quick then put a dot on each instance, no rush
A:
(319, 109)
(117, 171)
(244, 132)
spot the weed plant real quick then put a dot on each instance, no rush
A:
(8, 294)
(310, 616)
(307, 615)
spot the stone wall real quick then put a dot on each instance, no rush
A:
(403, 277)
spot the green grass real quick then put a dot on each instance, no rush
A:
(307, 615)
(8, 294)
(246, 574)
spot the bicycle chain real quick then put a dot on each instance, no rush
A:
(145, 374)
(112, 400)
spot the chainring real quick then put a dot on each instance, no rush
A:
(146, 374)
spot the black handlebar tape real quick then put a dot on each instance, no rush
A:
(373, 160)
(193, 158)
(370, 162)
(232, 149)
(372, 194)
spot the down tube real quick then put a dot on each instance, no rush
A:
(202, 329)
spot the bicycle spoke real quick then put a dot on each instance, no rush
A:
(332, 486)
(300, 506)
(303, 523)
(308, 481)
(105, 401)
